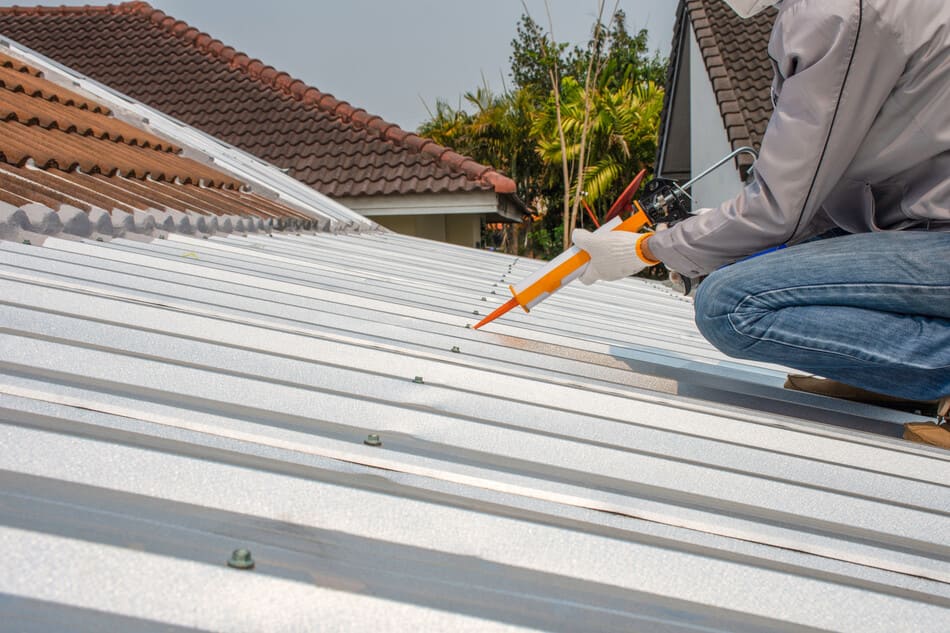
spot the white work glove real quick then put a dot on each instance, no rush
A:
(613, 254)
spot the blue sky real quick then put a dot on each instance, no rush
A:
(391, 56)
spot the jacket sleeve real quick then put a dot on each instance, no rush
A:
(834, 70)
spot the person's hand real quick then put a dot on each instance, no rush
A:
(613, 254)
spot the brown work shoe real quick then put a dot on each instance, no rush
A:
(920, 432)
(928, 433)
(835, 389)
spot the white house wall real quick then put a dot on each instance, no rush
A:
(464, 230)
(471, 203)
(455, 218)
(708, 140)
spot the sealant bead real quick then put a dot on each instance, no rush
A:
(373, 440)
(241, 559)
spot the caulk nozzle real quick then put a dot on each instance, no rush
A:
(500, 310)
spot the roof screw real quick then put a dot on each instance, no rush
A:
(493, 292)
(456, 350)
(484, 299)
(418, 380)
(99, 239)
(468, 326)
(241, 559)
(373, 440)
(27, 242)
(475, 312)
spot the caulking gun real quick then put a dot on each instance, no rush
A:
(663, 202)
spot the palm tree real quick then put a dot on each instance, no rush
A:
(447, 126)
(620, 141)
(623, 138)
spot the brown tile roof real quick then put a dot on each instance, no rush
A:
(332, 146)
(59, 149)
(735, 52)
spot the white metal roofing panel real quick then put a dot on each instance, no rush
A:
(592, 466)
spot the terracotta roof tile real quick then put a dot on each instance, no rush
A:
(735, 53)
(22, 184)
(78, 187)
(18, 65)
(35, 86)
(17, 106)
(59, 148)
(243, 101)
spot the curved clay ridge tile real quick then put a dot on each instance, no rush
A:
(15, 64)
(68, 152)
(36, 86)
(22, 108)
(288, 85)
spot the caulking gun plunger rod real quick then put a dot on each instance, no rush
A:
(666, 202)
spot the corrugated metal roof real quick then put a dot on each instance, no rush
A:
(176, 399)
(592, 466)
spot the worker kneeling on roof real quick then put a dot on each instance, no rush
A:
(853, 176)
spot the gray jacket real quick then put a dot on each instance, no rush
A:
(859, 139)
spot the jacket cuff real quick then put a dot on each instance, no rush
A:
(663, 245)
(641, 254)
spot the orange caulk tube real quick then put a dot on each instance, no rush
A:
(561, 271)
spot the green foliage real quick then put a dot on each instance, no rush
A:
(628, 57)
(517, 131)
(621, 140)
(532, 58)
(547, 240)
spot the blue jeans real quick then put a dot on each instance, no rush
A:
(870, 310)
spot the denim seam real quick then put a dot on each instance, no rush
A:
(756, 296)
